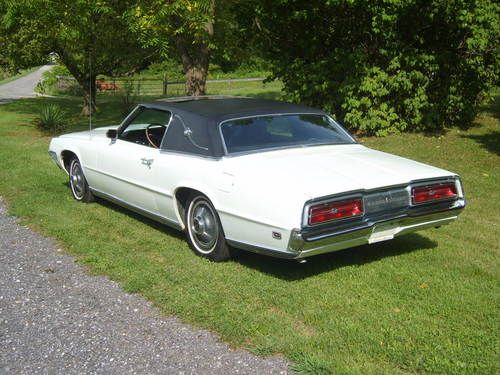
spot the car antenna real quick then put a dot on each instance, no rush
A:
(90, 72)
(90, 94)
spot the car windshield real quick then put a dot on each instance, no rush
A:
(277, 131)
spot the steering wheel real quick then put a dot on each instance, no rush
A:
(150, 136)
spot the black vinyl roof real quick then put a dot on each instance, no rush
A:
(202, 116)
(219, 108)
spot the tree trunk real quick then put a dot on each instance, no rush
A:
(89, 94)
(86, 82)
(196, 70)
(195, 55)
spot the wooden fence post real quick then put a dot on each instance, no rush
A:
(165, 84)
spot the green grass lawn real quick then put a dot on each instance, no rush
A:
(422, 303)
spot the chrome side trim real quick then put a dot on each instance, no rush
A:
(53, 156)
(261, 250)
(162, 219)
(130, 182)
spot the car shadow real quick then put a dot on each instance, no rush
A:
(143, 219)
(292, 270)
(136, 216)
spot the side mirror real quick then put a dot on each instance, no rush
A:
(112, 133)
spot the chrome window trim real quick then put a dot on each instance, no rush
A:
(226, 153)
(189, 154)
(166, 130)
(134, 113)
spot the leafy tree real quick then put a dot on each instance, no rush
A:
(387, 65)
(182, 28)
(195, 32)
(91, 37)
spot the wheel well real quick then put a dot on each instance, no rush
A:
(66, 157)
(181, 196)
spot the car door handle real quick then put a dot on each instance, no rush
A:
(147, 162)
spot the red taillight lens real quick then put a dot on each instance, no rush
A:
(433, 193)
(335, 210)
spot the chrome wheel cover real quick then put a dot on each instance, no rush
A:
(202, 226)
(77, 180)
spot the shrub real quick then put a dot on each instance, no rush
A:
(57, 81)
(384, 66)
(51, 119)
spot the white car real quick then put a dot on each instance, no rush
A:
(270, 177)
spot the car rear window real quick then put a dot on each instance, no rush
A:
(279, 131)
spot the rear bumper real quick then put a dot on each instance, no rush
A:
(303, 245)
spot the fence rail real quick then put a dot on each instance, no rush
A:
(155, 86)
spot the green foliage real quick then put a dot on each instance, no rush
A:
(195, 34)
(128, 97)
(51, 119)
(384, 66)
(57, 81)
(89, 37)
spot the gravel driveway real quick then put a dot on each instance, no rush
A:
(23, 87)
(56, 319)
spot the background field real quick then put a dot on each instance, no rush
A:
(423, 303)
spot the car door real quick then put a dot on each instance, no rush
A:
(127, 164)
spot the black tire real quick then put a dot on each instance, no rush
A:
(78, 183)
(204, 230)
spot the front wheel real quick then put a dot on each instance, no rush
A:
(78, 183)
(204, 230)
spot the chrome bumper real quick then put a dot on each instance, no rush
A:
(302, 245)
(53, 156)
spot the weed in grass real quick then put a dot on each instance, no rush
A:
(51, 119)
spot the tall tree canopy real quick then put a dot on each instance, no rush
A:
(192, 31)
(386, 65)
(91, 37)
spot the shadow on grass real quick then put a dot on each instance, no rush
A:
(143, 219)
(493, 106)
(489, 141)
(136, 216)
(292, 270)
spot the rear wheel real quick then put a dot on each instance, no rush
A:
(204, 230)
(78, 183)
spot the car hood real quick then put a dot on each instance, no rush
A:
(97, 132)
(324, 170)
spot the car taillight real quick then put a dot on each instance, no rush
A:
(423, 194)
(323, 212)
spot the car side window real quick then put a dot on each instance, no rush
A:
(147, 127)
